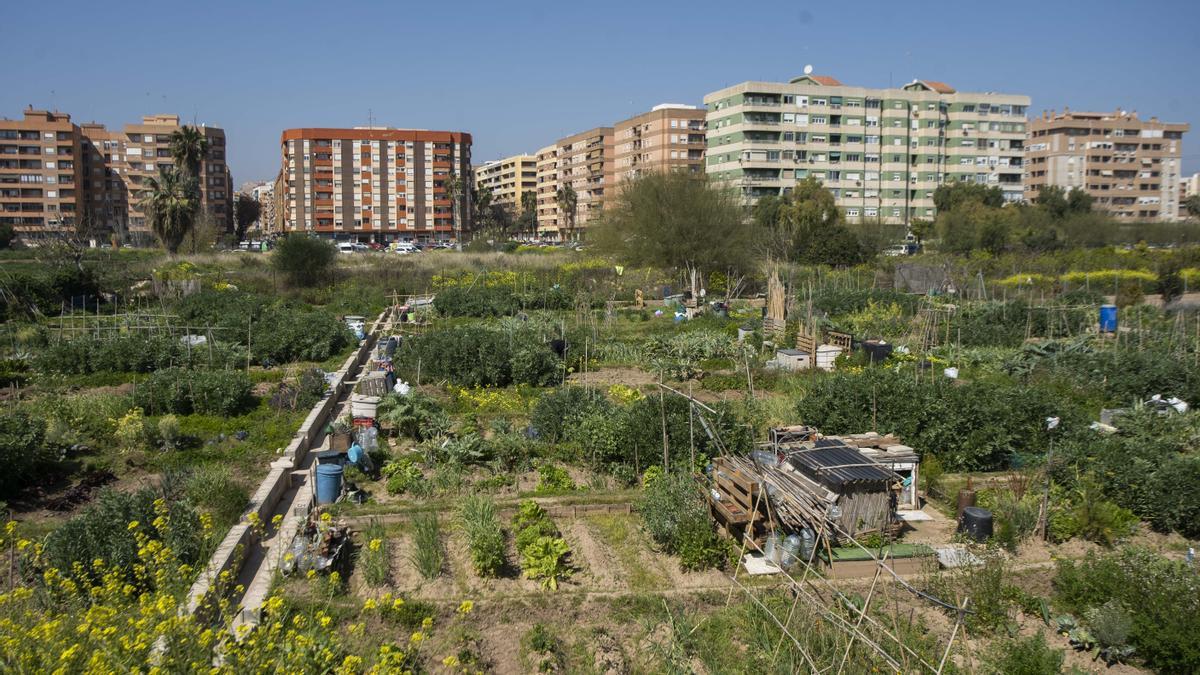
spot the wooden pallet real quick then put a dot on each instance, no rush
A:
(739, 497)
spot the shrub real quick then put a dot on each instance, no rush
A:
(478, 301)
(559, 410)
(1026, 656)
(676, 518)
(106, 530)
(475, 356)
(1158, 594)
(417, 416)
(303, 260)
(23, 451)
(131, 354)
(179, 391)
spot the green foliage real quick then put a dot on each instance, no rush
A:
(1156, 594)
(417, 416)
(931, 472)
(427, 554)
(675, 220)
(23, 451)
(1016, 518)
(485, 538)
(545, 558)
(214, 489)
(543, 552)
(278, 332)
(676, 517)
(1026, 656)
(807, 226)
(105, 531)
(403, 476)
(475, 356)
(131, 354)
(554, 479)
(180, 391)
(303, 260)
(971, 426)
(557, 411)
(7, 234)
(374, 554)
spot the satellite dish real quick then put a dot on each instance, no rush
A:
(808, 69)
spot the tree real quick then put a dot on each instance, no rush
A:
(1192, 206)
(246, 210)
(1170, 282)
(528, 216)
(807, 226)
(950, 195)
(189, 147)
(920, 230)
(483, 208)
(171, 202)
(303, 259)
(7, 234)
(568, 202)
(675, 220)
(454, 188)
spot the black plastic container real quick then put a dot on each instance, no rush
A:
(976, 523)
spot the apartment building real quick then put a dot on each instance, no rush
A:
(375, 184)
(508, 179)
(669, 137)
(41, 171)
(585, 162)
(264, 194)
(1131, 167)
(881, 152)
(546, 162)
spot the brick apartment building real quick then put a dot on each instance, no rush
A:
(1130, 166)
(374, 184)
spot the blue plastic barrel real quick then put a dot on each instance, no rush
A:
(329, 483)
(1108, 318)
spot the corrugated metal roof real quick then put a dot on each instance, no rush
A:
(836, 464)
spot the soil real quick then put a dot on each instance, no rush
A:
(606, 377)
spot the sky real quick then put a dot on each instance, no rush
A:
(519, 75)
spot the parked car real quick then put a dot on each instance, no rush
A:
(407, 248)
(346, 247)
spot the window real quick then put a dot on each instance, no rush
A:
(851, 213)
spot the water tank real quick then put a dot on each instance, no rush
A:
(329, 483)
(1108, 318)
(877, 350)
(976, 523)
(826, 355)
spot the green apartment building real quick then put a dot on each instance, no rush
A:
(882, 152)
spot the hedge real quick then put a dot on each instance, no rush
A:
(474, 356)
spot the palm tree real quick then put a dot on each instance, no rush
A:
(189, 147)
(567, 203)
(171, 202)
(454, 188)
(529, 206)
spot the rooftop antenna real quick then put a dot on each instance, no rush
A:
(808, 69)
(370, 118)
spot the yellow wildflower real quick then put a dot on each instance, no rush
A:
(375, 544)
(466, 607)
(450, 661)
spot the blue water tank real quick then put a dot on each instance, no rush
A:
(329, 483)
(1108, 318)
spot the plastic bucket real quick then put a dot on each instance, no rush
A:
(329, 483)
(1108, 318)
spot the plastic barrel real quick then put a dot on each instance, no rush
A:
(976, 523)
(1108, 318)
(329, 483)
(877, 350)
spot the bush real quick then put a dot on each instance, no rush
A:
(182, 392)
(676, 518)
(106, 531)
(478, 301)
(417, 416)
(303, 260)
(559, 410)
(474, 356)
(1026, 656)
(23, 451)
(553, 478)
(130, 354)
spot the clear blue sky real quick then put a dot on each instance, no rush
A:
(518, 75)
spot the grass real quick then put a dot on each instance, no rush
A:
(427, 554)
(619, 534)
(485, 538)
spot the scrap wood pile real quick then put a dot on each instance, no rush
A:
(800, 480)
